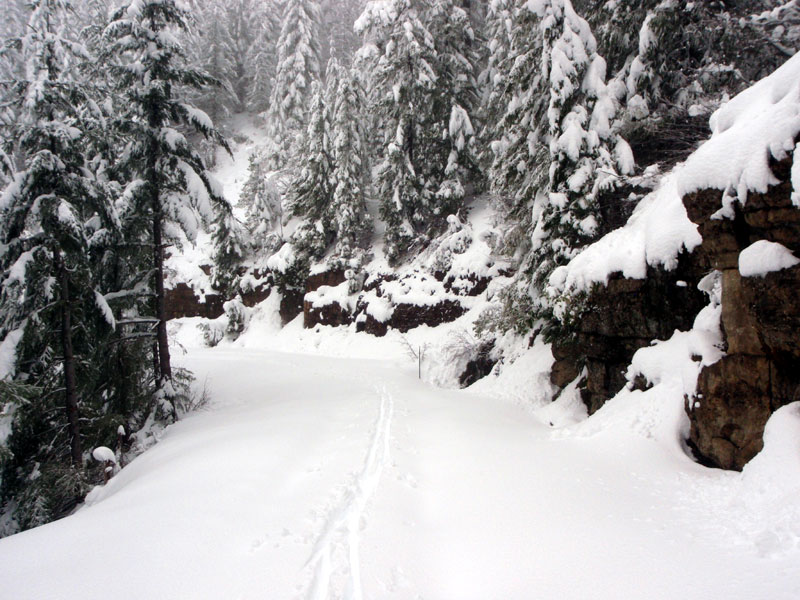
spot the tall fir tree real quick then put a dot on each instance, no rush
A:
(170, 185)
(558, 151)
(297, 68)
(262, 201)
(212, 47)
(257, 74)
(349, 212)
(55, 214)
(311, 191)
(426, 91)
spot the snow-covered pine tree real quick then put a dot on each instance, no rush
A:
(12, 27)
(231, 242)
(257, 74)
(349, 212)
(262, 200)
(211, 47)
(170, 187)
(493, 77)
(559, 151)
(311, 191)
(457, 92)
(337, 18)
(297, 68)
(425, 82)
(55, 214)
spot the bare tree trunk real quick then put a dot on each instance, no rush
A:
(70, 388)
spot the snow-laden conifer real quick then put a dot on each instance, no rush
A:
(425, 81)
(55, 214)
(558, 150)
(254, 86)
(297, 68)
(170, 187)
(311, 191)
(349, 212)
(261, 199)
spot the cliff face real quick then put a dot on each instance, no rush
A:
(760, 324)
(622, 317)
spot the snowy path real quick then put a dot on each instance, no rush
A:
(322, 478)
(342, 527)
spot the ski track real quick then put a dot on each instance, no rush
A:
(336, 551)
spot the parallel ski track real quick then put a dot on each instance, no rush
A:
(336, 551)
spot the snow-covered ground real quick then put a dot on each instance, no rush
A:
(314, 476)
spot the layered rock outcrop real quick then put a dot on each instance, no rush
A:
(325, 306)
(760, 324)
(760, 321)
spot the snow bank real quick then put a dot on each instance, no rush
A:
(670, 369)
(764, 257)
(756, 509)
(759, 123)
(655, 235)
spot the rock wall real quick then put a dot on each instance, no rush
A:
(182, 301)
(760, 324)
(622, 317)
(330, 314)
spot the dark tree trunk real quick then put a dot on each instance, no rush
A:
(70, 389)
(162, 362)
(164, 367)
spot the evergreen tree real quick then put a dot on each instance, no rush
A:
(425, 80)
(499, 19)
(349, 212)
(257, 72)
(297, 68)
(170, 185)
(55, 214)
(559, 151)
(230, 246)
(12, 27)
(337, 19)
(262, 201)
(212, 48)
(311, 192)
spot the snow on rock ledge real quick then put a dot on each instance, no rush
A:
(764, 257)
(758, 125)
(760, 122)
(655, 235)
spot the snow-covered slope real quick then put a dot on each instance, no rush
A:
(319, 477)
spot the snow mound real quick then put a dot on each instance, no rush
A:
(670, 369)
(764, 257)
(104, 454)
(757, 508)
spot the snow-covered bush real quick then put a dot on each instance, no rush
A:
(213, 331)
(237, 315)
